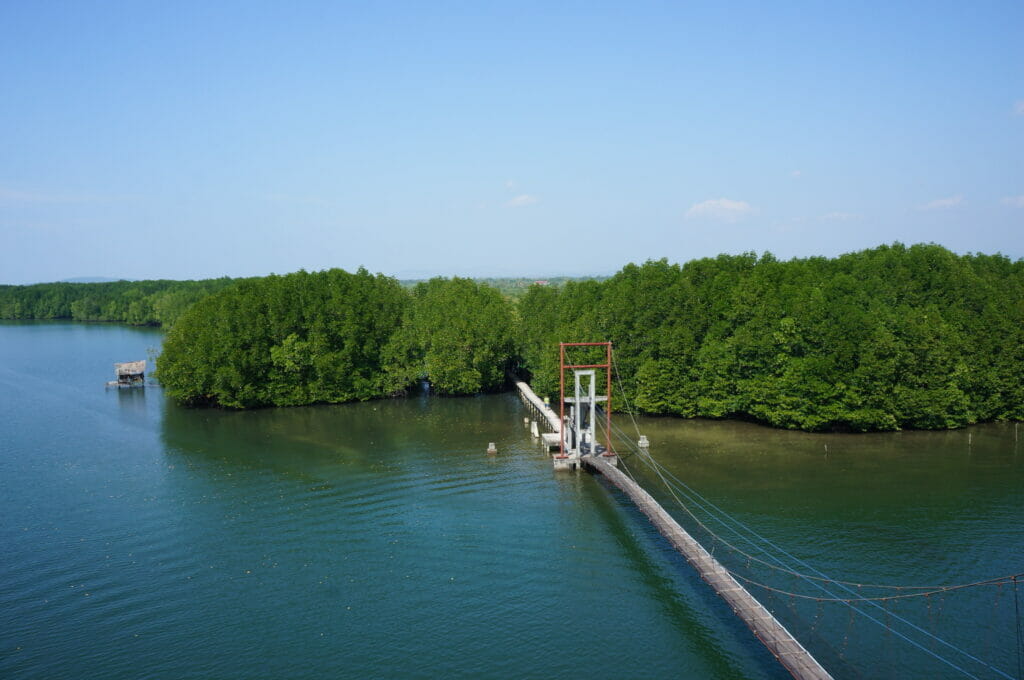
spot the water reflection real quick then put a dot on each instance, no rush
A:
(907, 508)
(372, 434)
(910, 508)
(132, 398)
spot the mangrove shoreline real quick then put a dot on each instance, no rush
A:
(890, 338)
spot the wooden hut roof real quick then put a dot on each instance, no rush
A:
(131, 367)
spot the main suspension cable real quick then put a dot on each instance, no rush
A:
(926, 589)
(822, 578)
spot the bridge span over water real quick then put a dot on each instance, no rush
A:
(574, 434)
(786, 648)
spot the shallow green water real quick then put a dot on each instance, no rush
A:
(379, 540)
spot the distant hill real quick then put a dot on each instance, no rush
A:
(91, 279)
(516, 287)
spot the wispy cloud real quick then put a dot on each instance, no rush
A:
(943, 203)
(1015, 201)
(521, 201)
(720, 209)
(839, 217)
(1018, 107)
(511, 184)
(796, 173)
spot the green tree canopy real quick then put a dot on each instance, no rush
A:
(456, 332)
(284, 341)
(880, 339)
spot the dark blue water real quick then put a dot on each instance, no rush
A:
(142, 540)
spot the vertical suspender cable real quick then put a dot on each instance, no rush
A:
(841, 585)
(1020, 633)
(657, 467)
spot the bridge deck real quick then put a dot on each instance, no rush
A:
(550, 417)
(765, 626)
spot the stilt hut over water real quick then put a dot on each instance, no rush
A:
(129, 374)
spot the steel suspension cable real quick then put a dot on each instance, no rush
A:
(926, 590)
(1020, 633)
(629, 410)
(658, 468)
(849, 604)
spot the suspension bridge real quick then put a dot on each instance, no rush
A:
(584, 436)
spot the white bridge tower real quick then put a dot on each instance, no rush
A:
(582, 434)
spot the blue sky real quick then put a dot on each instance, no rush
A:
(191, 140)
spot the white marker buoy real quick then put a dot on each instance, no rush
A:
(491, 448)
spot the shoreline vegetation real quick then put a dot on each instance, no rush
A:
(882, 339)
(157, 302)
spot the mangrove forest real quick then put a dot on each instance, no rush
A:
(882, 339)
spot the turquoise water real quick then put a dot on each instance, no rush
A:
(379, 540)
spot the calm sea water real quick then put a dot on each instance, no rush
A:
(142, 540)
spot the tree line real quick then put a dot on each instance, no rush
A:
(140, 303)
(334, 336)
(882, 339)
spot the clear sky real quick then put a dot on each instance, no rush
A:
(192, 140)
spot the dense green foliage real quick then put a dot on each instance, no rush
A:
(156, 302)
(876, 340)
(881, 339)
(457, 332)
(335, 337)
(284, 341)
